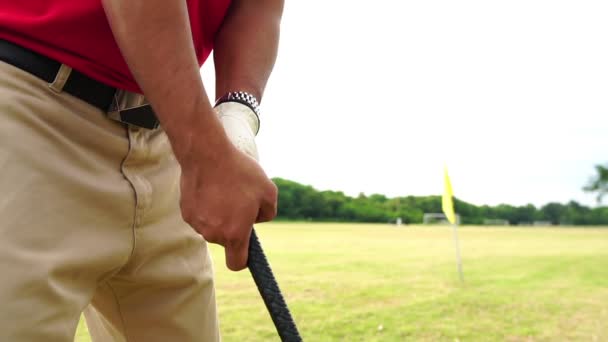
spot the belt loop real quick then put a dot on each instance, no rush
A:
(60, 79)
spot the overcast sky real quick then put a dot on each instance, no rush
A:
(375, 97)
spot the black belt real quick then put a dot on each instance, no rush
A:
(91, 91)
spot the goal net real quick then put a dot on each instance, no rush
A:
(437, 218)
(495, 222)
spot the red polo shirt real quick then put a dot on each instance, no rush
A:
(76, 33)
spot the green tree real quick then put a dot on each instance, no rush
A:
(525, 214)
(599, 183)
(578, 214)
(303, 202)
(553, 212)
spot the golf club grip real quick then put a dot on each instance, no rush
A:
(271, 294)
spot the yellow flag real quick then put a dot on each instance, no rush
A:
(447, 204)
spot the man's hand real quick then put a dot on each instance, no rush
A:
(222, 201)
(230, 229)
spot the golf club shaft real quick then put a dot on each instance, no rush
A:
(271, 294)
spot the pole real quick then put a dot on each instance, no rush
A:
(457, 248)
(270, 292)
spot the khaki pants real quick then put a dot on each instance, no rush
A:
(89, 218)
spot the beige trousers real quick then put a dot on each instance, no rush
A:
(90, 219)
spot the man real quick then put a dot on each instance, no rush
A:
(93, 210)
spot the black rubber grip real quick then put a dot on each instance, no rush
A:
(271, 294)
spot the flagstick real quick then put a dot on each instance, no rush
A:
(457, 248)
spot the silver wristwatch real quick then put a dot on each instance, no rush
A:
(241, 97)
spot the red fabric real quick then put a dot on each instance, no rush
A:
(76, 33)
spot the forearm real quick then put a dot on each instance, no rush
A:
(155, 39)
(246, 46)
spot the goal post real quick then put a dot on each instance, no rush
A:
(437, 218)
(496, 222)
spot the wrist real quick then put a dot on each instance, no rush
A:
(240, 124)
(238, 111)
(245, 99)
(198, 136)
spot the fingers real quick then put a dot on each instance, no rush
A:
(268, 211)
(268, 206)
(237, 249)
(237, 252)
(228, 223)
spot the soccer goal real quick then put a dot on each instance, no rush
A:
(495, 222)
(437, 218)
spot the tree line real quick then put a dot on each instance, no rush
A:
(303, 202)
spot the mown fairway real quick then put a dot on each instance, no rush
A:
(348, 282)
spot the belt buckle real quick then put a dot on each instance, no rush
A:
(133, 109)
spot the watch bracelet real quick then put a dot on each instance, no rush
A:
(243, 98)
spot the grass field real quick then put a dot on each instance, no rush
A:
(347, 282)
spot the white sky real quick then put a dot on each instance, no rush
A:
(375, 97)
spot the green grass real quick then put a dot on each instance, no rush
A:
(344, 281)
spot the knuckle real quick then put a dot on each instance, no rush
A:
(272, 193)
(188, 216)
(212, 235)
(210, 232)
(213, 238)
(275, 210)
(233, 239)
(274, 190)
